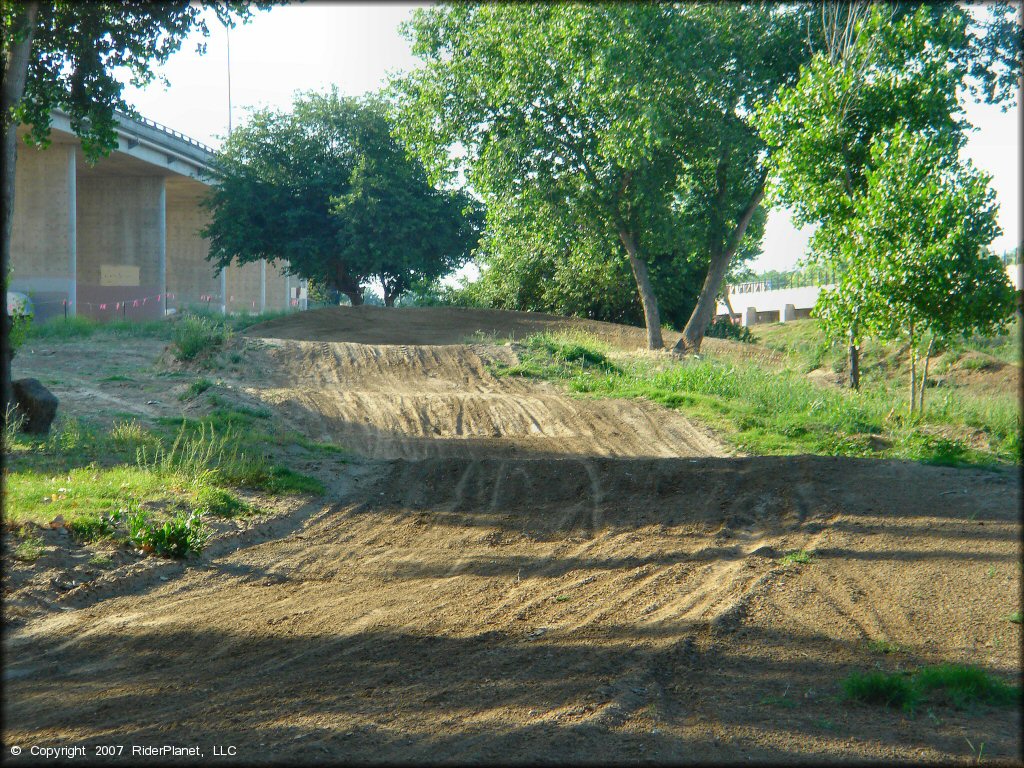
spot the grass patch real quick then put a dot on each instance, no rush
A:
(1014, 617)
(117, 377)
(884, 646)
(29, 549)
(957, 685)
(194, 335)
(92, 527)
(182, 535)
(197, 387)
(101, 561)
(801, 557)
(769, 410)
(220, 503)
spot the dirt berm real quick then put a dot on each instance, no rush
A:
(504, 573)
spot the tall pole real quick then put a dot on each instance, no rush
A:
(224, 271)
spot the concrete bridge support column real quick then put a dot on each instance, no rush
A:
(72, 231)
(161, 248)
(750, 316)
(788, 313)
(263, 286)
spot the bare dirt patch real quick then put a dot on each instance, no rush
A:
(509, 574)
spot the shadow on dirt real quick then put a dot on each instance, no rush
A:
(569, 697)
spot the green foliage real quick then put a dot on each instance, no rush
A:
(196, 335)
(30, 548)
(219, 503)
(92, 527)
(197, 387)
(801, 557)
(867, 146)
(604, 142)
(768, 410)
(955, 684)
(725, 329)
(881, 688)
(178, 537)
(326, 187)
(963, 685)
(80, 52)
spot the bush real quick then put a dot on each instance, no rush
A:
(723, 328)
(221, 503)
(89, 528)
(179, 536)
(880, 688)
(194, 335)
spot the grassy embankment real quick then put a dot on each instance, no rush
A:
(777, 409)
(152, 484)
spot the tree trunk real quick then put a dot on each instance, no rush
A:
(21, 33)
(913, 370)
(728, 304)
(647, 297)
(356, 297)
(389, 299)
(924, 374)
(700, 318)
(854, 367)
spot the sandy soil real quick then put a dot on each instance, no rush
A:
(509, 574)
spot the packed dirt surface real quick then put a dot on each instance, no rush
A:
(503, 573)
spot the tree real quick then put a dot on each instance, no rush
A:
(892, 65)
(916, 246)
(66, 55)
(328, 189)
(610, 120)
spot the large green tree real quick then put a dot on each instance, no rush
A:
(326, 187)
(915, 251)
(67, 55)
(880, 69)
(623, 123)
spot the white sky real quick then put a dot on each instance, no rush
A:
(312, 46)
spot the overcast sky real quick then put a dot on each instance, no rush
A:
(355, 46)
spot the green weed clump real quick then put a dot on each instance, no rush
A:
(220, 503)
(30, 548)
(184, 534)
(194, 335)
(92, 527)
(955, 684)
(197, 387)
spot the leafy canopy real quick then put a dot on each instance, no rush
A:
(326, 187)
(79, 48)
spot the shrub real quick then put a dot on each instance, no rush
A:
(179, 536)
(723, 328)
(221, 503)
(197, 387)
(880, 688)
(194, 335)
(962, 685)
(89, 528)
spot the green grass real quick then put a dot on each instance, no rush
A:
(801, 557)
(194, 335)
(779, 411)
(29, 549)
(81, 472)
(197, 387)
(1014, 617)
(884, 646)
(957, 685)
(91, 527)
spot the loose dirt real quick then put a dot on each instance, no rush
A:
(504, 573)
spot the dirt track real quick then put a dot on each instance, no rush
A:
(508, 574)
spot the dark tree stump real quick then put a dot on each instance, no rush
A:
(36, 403)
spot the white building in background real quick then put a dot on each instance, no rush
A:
(759, 302)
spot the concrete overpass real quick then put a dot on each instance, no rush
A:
(121, 237)
(762, 302)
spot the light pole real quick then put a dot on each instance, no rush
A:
(224, 271)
